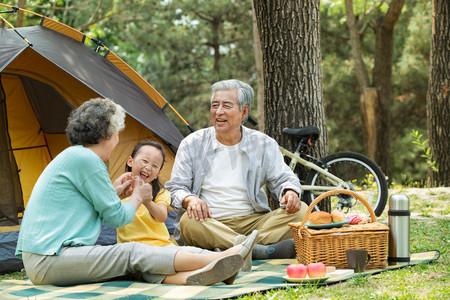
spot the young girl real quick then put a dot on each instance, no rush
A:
(146, 161)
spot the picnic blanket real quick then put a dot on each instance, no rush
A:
(265, 275)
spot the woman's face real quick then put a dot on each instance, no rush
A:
(109, 145)
(146, 164)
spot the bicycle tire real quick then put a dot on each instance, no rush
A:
(360, 173)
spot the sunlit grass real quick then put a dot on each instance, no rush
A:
(429, 230)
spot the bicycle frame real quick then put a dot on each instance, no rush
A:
(332, 179)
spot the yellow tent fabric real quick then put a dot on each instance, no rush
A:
(43, 80)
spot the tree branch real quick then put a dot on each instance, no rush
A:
(393, 13)
(203, 17)
(360, 68)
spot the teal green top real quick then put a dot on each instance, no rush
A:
(69, 200)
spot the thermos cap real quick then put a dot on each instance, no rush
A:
(399, 202)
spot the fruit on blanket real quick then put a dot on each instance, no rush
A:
(338, 216)
(354, 219)
(320, 218)
(316, 270)
(296, 271)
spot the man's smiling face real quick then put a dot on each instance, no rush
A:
(227, 117)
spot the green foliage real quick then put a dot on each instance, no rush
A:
(409, 86)
(182, 47)
(423, 146)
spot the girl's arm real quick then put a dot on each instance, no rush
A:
(158, 210)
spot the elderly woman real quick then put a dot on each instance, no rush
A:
(63, 217)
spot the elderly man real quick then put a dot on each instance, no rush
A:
(218, 177)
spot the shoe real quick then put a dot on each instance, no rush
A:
(249, 244)
(219, 270)
(245, 253)
(247, 267)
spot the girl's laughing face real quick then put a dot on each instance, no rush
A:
(146, 164)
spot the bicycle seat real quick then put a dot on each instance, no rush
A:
(311, 132)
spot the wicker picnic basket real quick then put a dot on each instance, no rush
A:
(329, 245)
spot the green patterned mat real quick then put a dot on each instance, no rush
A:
(265, 275)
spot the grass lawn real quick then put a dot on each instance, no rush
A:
(430, 222)
(429, 230)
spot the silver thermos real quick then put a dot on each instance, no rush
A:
(398, 218)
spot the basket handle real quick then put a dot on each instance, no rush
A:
(334, 192)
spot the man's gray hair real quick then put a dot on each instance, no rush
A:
(244, 91)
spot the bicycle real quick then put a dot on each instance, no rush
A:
(339, 170)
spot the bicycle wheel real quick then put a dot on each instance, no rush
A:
(360, 174)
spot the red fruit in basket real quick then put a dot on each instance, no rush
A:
(296, 271)
(354, 219)
(316, 270)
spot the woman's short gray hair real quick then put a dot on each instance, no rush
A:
(94, 120)
(244, 91)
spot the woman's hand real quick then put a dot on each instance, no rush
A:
(124, 185)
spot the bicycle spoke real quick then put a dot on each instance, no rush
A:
(359, 174)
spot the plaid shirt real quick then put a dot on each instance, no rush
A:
(262, 160)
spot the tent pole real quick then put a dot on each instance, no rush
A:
(10, 25)
(184, 121)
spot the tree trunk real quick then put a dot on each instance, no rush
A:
(20, 17)
(368, 100)
(375, 100)
(290, 44)
(216, 45)
(369, 104)
(259, 73)
(290, 38)
(438, 99)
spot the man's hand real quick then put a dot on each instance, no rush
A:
(197, 207)
(292, 201)
(124, 185)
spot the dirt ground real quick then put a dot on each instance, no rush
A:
(426, 201)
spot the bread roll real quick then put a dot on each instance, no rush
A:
(320, 218)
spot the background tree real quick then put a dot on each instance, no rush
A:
(188, 45)
(376, 95)
(409, 85)
(290, 41)
(438, 98)
(167, 43)
(259, 73)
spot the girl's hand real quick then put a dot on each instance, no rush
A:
(143, 191)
